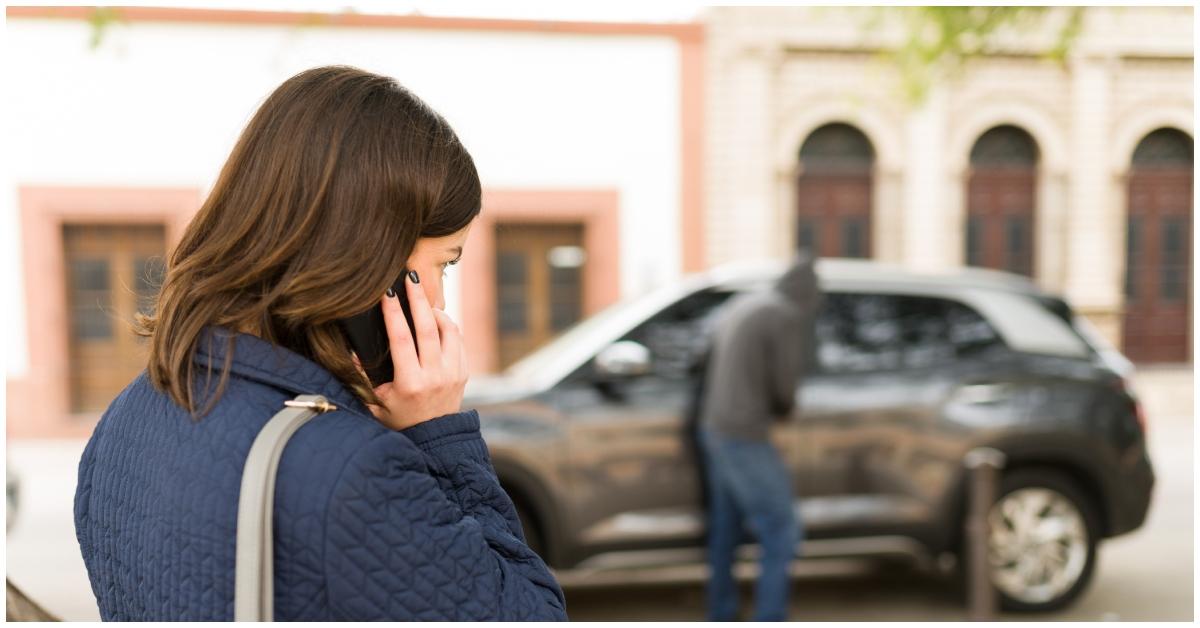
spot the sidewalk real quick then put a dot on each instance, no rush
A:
(43, 556)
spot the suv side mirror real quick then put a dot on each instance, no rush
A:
(624, 358)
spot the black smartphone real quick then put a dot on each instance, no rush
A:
(368, 336)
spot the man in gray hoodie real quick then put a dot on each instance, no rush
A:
(761, 346)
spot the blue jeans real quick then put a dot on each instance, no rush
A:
(748, 482)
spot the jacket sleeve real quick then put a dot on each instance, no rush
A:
(419, 528)
(83, 506)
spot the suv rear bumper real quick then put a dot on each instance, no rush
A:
(1130, 502)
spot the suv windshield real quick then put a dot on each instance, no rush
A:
(582, 340)
(537, 361)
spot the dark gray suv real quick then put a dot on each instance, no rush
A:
(912, 371)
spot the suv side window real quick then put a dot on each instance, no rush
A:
(678, 335)
(878, 332)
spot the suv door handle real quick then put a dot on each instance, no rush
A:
(982, 394)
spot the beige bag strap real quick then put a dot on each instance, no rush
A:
(253, 598)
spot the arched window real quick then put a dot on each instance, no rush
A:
(833, 192)
(1001, 193)
(1158, 249)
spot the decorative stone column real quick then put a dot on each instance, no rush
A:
(742, 213)
(1052, 234)
(925, 242)
(1093, 258)
(887, 213)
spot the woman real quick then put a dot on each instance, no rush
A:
(386, 508)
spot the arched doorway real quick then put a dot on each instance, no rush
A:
(833, 192)
(1001, 188)
(1158, 249)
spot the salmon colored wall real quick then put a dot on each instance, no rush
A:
(691, 196)
(597, 210)
(38, 402)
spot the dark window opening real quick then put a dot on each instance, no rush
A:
(852, 237)
(836, 147)
(1132, 249)
(512, 276)
(1005, 146)
(1164, 147)
(1174, 260)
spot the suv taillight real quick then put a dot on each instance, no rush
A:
(1124, 385)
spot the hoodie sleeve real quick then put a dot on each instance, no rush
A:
(419, 528)
(786, 362)
(791, 341)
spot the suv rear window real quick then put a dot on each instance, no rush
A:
(875, 332)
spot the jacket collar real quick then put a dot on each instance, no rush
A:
(261, 361)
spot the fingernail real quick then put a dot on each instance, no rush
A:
(391, 293)
(412, 274)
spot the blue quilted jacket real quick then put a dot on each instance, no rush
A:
(370, 523)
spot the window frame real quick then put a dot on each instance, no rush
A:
(38, 394)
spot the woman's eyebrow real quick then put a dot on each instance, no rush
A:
(456, 250)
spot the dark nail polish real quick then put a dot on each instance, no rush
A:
(391, 293)
(412, 274)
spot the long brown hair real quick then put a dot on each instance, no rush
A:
(312, 218)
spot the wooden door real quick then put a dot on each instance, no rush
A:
(833, 192)
(1158, 273)
(1000, 219)
(834, 214)
(112, 271)
(1001, 195)
(539, 284)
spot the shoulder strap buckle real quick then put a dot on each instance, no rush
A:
(320, 405)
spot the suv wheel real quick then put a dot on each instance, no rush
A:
(1042, 548)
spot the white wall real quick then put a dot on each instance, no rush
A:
(162, 104)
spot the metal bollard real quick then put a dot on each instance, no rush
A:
(984, 465)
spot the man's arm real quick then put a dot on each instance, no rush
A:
(785, 352)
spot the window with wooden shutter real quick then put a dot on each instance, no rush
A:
(112, 272)
(539, 284)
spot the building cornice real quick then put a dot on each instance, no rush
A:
(684, 32)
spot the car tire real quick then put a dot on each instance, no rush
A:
(1029, 502)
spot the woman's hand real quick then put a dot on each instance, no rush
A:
(428, 385)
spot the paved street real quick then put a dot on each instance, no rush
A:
(1146, 575)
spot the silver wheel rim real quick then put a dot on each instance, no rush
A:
(1038, 546)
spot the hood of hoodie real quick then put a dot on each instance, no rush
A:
(799, 282)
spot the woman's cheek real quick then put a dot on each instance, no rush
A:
(433, 290)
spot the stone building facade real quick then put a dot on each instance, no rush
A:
(1016, 162)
